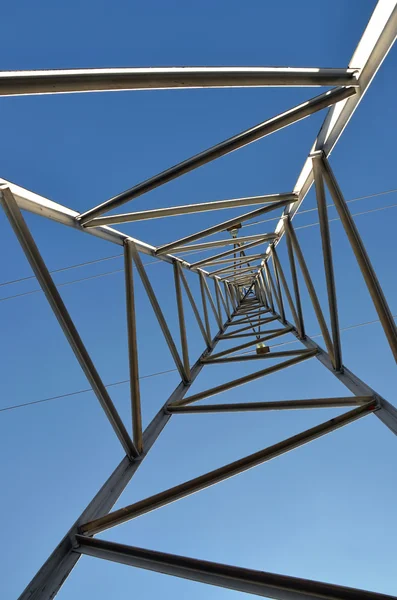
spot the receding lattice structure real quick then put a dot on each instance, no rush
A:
(246, 292)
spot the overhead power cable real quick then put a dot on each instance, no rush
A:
(125, 381)
(36, 291)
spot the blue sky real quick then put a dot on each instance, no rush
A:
(322, 512)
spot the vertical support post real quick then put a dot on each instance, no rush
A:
(279, 293)
(216, 314)
(224, 302)
(327, 257)
(274, 290)
(266, 284)
(59, 309)
(310, 288)
(204, 303)
(195, 309)
(181, 318)
(298, 304)
(285, 285)
(132, 349)
(227, 298)
(370, 278)
(158, 312)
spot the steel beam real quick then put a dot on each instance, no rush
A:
(227, 242)
(341, 402)
(165, 249)
(327, 257)
(205, 261)
(367, 270)
(181, 319)
(226, 147)
(175, 211)
(375, 44)
(197, 484)
(310, 288)
(159, 313)
(228, 385)
(132, 349)
(249, 581)
(67, 81)
(60, 311)
(254, 342)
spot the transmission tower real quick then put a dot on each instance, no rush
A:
(247, 293)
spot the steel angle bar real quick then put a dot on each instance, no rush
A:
(253, 343)
(66, 81)
(218, 300)
(181, 319)
(327, 257)
(227, 299)
(272, 405)
(246, 319)
(257, 319)
(226, 147)
(281, 275)
(48, 580)
(278, 286)
(295, 283)
(385, 411)
(205, 261)
(232, 272)
(227, 242)
(60, 311)
(231, 296)
(256, 323)
(310, 288)
(187, 488)
(159, 313)
(204, 305)
(279, 301)
(263, 273)
(259, 583)
(175, 211)
(209, 296)
(376, 41)
(228, 385)
(258, 334)
(222, 298)
(196, 312)
(367, 270)
(248, 357)
(166, 248)
(238, 260)
(132, 349)
(236, 275)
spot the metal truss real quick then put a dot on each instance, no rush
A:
(247, 293)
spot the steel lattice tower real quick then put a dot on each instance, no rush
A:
(247, 294)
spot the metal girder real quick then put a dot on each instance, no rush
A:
(165, 249)
(187, 488)
(60, 311)
(176, 211)
(373, 47)
(249, 581)
(230, 145)
(66, 81)
(276, 405)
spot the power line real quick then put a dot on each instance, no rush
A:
(36, 291)
(308, 210)
(114, 256)
(125, 381)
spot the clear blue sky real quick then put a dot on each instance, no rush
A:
(321, 512)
